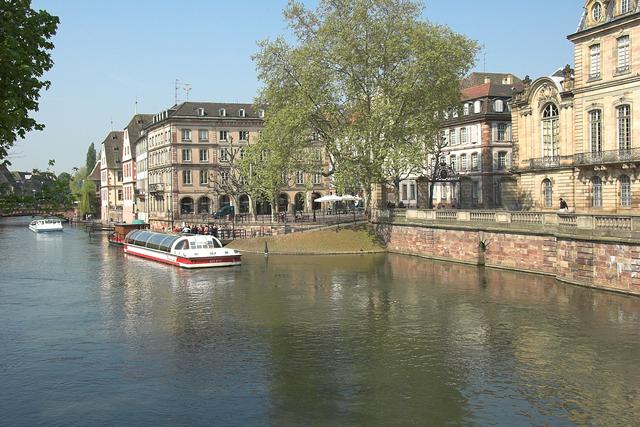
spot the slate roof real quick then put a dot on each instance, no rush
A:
(609, 15)
(477, 79)
(95, 173)
(7, 178)
(112, 146)
(137, 124)
(212, 109)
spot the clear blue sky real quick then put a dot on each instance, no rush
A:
(108, 53)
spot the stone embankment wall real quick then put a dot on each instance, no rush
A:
(595, 261)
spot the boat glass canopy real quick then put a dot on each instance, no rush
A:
(152, 240)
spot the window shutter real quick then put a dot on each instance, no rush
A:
(508, 132)
(494, 132)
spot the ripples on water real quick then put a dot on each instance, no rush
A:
(91, 337)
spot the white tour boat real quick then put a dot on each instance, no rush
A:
(188, 251)
(45, 225)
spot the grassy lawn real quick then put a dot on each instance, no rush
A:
(332, 241)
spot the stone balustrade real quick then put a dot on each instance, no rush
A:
(543, 221)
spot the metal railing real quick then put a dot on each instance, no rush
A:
(609, 156)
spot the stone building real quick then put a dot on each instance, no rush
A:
(111, 195)
(132, 133)
(478, 145)
(192, 150)
(576, 131)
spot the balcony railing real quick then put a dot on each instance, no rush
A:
(609, 156)
(156, 188)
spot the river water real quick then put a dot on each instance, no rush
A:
(89, 336)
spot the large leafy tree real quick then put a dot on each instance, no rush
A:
(24, 58)
(368, 76)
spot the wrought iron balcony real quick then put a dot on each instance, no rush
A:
(156, 188)
(609, 156)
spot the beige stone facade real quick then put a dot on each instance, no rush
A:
(111, 195)
(577, 133)
(191, 158)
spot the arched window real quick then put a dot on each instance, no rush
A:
(596, 192)
(241, 112)
(244, 203)
(222, 112)
(186, 205)
(623, 114)
(477, 106)
(498, 106)
(550, 132)
(547, 192)
(625, 191)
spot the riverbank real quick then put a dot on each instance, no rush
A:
(337, 240)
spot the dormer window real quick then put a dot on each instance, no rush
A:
(261, 114)
(201, 112)
(498, 106)
(241, 113)
(596, 12)
(223, 112)
(465, 109)
(477, 106)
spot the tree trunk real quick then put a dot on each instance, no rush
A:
(396, 186)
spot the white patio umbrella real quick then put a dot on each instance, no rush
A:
(329, 198)
(350, 198)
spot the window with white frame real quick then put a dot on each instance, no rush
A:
(203, 135)
(243, 135)
(204, 177)
(224, 176)
(465, 109)
(498, 106)
(474, 162)
(186, 155)
(625, 191)
(463, 162)
(453, 161)
(594, 61)
(477, 106)
(453, 140)
(501, 132)
(502, 160)
(550, 131)
(186, 134)
(241, 112)
(222, 112)
(223, 135)
(186, 177)
(596, 12)
(623, 54)
(224, 154)
(317, 178)
(299, 177)
(596, 192)
(547, 193)
(623, 114)
(204, 155)
(595, 127)
(463, 135)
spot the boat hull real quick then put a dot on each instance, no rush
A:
(44, 230)
(192, 262)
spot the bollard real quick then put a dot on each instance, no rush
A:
(266, 249)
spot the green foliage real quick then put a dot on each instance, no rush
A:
(91, 158)
(368, 76)
(24, 58)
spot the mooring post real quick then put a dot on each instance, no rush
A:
(266, 249)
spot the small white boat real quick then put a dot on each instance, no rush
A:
(191, 251)
(45, 225)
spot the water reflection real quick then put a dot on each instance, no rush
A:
(91, 334)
